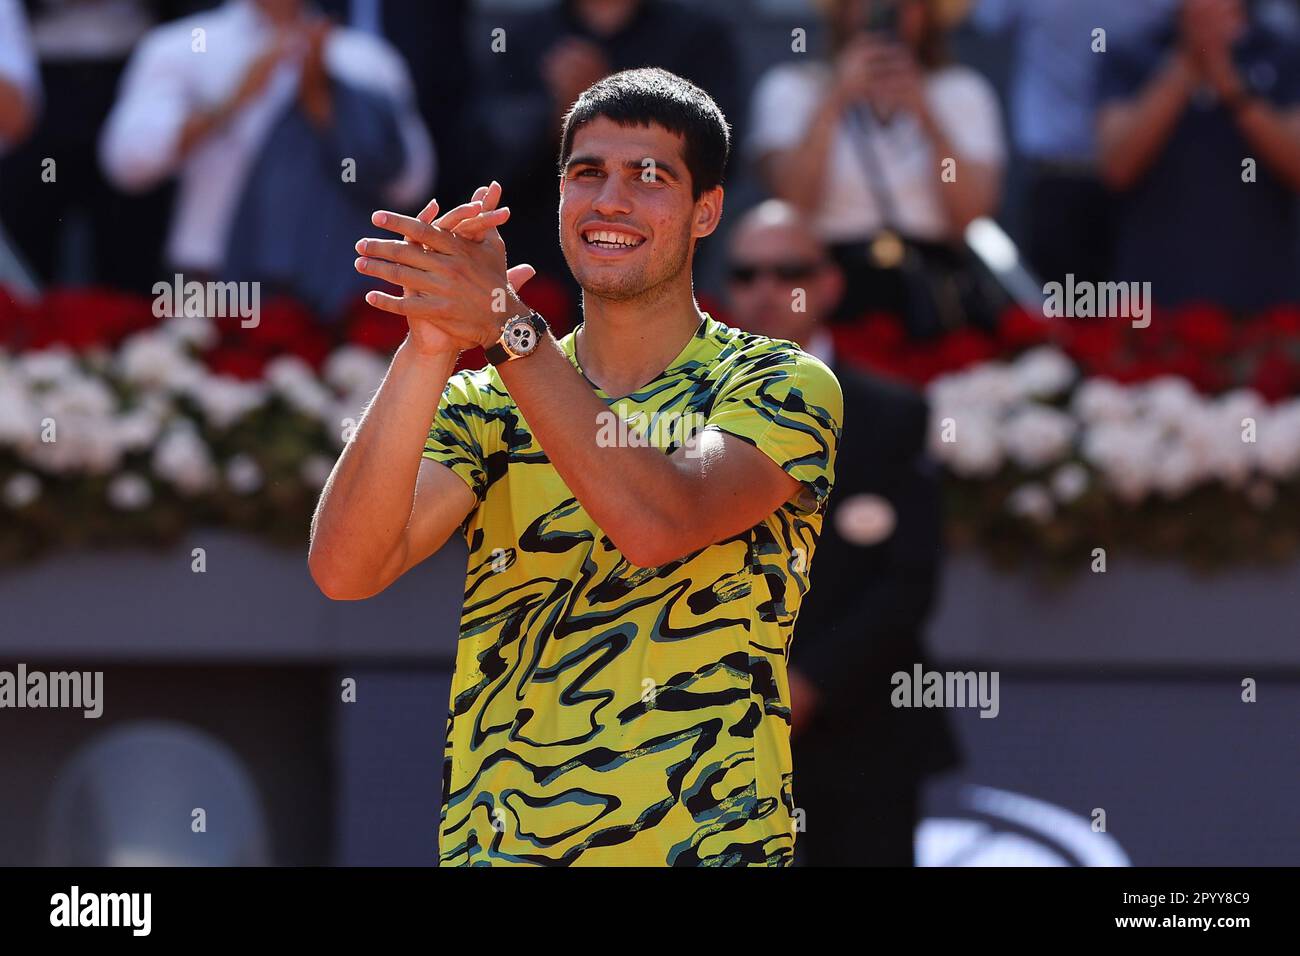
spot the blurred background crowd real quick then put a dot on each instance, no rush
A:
(918, 169)
(1107, 137)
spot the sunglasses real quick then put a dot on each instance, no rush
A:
(784, 271)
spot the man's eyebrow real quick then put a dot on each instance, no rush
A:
(639, 164)
(636, 165)
(588, 160)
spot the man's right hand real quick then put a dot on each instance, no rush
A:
(1207, 31)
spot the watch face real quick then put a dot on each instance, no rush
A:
(520, 336)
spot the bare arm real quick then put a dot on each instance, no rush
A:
(655, 508)
(1276, 135)
(15, 112)
(974, 193)
(384, 508)
(798, 175)
(1131, 133)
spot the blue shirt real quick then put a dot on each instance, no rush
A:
(1190, 225)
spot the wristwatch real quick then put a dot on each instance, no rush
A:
(519, 337)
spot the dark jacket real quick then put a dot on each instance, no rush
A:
(863, 617)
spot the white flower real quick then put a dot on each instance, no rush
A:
(1277, 444)
(243, 474)
(129, 492)
(1031, 500)
(19, 419)
(1175, 470)
(197, 331)
(224, 400)
(354, 369)
(21, 490)
(1167, 400)
(975, 451)
(1069, 482)
(138, 429)
(1043, 372)
(48, 366)
(1124, 453)
(294, 381)
(1101, 400)
(80, 442)
(1036, 435)
(182, 459)
(315, 471)
(155, 360)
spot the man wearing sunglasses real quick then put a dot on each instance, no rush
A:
(859, 762)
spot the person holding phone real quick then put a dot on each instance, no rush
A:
(890, 147)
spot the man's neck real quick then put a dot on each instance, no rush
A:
(623, 345)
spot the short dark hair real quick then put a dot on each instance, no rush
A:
(648, 96)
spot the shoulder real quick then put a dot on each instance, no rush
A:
(481, 387)
(366, 59)
(960, 83)
(746, 357)
(790, 85)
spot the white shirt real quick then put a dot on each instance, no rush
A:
(167, 81)
(17, 59)
(89, 29)
(964, 105)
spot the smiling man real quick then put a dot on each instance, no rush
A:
(620, 693)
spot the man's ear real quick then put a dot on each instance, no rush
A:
(708, 213)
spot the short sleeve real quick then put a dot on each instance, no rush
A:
(788, 405)
(968, 109)
(783, 105)
(455, 436)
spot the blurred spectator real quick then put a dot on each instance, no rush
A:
(859, 143)
(859, 762)
(54, 193)
(1069, 224)
(19, 83)
(434, 41)
(552, 55)
(1214, 90)
(286, 133)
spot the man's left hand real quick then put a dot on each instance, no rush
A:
(455, 277)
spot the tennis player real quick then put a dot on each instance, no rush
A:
(641, 500)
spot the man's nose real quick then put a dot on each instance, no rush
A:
(613, 197)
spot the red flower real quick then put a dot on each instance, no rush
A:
(1205, 328)
(1021, 329)
(554, 301)
(1276, 377)
(374, 328)
(246, 364)
(964, 347)
(1096, 344)
(282, 322)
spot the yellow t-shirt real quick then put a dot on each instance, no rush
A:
(604, 714)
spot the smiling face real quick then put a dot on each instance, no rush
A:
(627, 218)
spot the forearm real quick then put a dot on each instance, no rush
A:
(15, 113)
(1131, 135)
(358, 539)
(632, 493)
(972, 192)
(798, 175)
(1275, 136)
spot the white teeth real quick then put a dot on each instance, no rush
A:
(604, 237)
